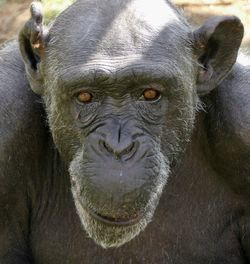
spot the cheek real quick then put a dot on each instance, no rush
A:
(65, 134)
(152, 114)
(178, 124)
(182, 108)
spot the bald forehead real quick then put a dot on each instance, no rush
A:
(147, 16)
(115, 28)
(138, 24)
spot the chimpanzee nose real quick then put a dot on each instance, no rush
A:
(119, 139)
(119, 149)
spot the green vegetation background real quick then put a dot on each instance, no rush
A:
(51, 7)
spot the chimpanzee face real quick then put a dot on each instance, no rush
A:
(121, 111)
(120, 135)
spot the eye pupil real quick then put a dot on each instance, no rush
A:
(150, 94)
(84, 97)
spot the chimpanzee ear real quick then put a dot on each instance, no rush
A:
(216, 47)
(32, 41)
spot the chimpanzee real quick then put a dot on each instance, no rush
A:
(133, 143)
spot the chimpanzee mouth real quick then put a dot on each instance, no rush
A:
(118, 221)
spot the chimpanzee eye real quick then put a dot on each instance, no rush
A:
(84, 97)
(151, 94)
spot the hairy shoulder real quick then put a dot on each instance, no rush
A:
(234, 97)
(19, 106)
(228, 123)
(21, 116)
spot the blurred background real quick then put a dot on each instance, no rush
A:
(13, 13)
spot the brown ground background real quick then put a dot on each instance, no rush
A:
(13, 13)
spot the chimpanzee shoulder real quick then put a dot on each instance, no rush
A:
(21, 111)
(233, 94)
(229, 125)
(22, 132)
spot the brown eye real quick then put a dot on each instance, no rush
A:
(151, 94)
(84, 97)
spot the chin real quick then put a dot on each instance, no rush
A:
(109, 232)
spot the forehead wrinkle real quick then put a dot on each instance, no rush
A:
(90, 75)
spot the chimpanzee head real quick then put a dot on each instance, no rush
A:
(121, 82)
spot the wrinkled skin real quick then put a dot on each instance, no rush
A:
(105, 163)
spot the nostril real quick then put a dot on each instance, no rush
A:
(107, 147)
(129, 149)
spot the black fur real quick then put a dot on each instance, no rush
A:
(117, 153)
